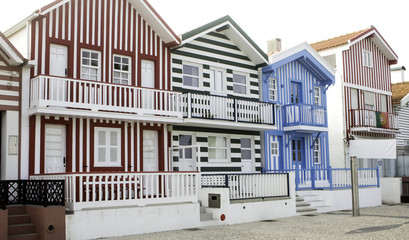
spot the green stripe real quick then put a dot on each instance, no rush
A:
(257, 142)
(215, 51)
(183, 90)
(206, 75)
(258, 159)
(221, 169)
(177, 80)
(175, 138)
(254, 84)
(219, 35)
(177, 70)
(174, 60)
(230, 88)
(220, 44)
(203, 149)
(215, 130)
(204, 159)
(175, 159)
(229, 79)
(201, 139)
(229, 71)
(257, 150)
(235, 159)
(206, 84)
(235, 150)
(254, 91)
(216, 60)
(242, 98)
(258, 169)
(175, 169)
(206, 66)
(253, 75)
(233, 140)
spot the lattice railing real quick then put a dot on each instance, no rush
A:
(35, 192)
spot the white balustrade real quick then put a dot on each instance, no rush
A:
(367, 118)
(305, 114)
(98, 96)
(93, 190)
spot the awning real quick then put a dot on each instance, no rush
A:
(370, 148)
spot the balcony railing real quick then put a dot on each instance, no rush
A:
(204, 106)
(94, 190)
(248, 186)
(305, 114)
(369, 118)
(97, 96)
(332, 178)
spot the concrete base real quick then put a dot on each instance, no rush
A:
(3, 224)
(337, 200)
(391, 189)
(49, 222)
(98, 223)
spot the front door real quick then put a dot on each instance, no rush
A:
(58, 60)
(297, 153)
(148, 74)
(150, 151)
(55, 143)
(186, 156)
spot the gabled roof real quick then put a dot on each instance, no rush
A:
(309, 57)
(233, 31)
(143, 7)
(9, 52)
(355, 37)
(400, 92)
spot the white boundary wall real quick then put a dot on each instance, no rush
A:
(98, 223)
(391, 190)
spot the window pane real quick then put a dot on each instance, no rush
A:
(190, 70)
(190, 81)
(114, 139)
(117, 66)
(94, 63)
(101, 155)
(117, 59)
(101, 138)
(185, 140)
(212, 141)
(85, 54)
(125, 60)
(114, 155)
(94, 55)
(245, 143)
(245, 154)
(239, 89)
(239, 78)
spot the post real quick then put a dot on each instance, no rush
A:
(313, 178)
(354, 187)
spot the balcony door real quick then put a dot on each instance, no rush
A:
(55, 148)
(297, 153)
(150, 151)
(58, 60)
(295, 93)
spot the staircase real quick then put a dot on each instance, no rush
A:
(302, 207)
(309, 202)
(206, 218)
(20, 226)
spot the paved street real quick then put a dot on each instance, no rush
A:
(384, 222)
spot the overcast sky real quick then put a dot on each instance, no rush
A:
(294, 21)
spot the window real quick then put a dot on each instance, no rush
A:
(367, 58)
(217, 148)
(317, 96)
(354, 98)
(107, 147)
(216, 80)
(90, 65)
(369, 100)
(245, 144)
(122, 70)
(384, 107)
(274, 148)
(272, 89)
(185, 140)
(317, 152)
(190, 75)
(239, 84)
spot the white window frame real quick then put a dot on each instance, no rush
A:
(274, 148)
(199, 76)
(250, 148)
(120, 71)
(227, 147)
(317, 151)
(247, 84)
(107, 146)
(212, 81)
(272, 89)
(384, 103)
(317, 97)
(90, 67)
(366, 97)
(367, 58)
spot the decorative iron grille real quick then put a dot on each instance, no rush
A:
(35, 192)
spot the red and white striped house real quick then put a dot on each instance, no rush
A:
(360, 112)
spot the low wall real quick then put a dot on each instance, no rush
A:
(98, 223)
(49, 222)
(391, 189)
(3, 224)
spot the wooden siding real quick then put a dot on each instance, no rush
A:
(80, 143)
(377, 79)
(214, 50)
(233, 164)
(110, 27)
(10, 80)
(403, 137)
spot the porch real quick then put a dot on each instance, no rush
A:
(222, 111)
(90, 98)
(305, 117)
(365, 120)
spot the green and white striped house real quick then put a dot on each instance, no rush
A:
(216, 68)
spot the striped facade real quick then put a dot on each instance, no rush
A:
(299, 66)
(110, 28)
(215, 47)
(376, 79)
(10, 83)
(403, 113)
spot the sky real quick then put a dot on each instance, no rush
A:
(293, 21)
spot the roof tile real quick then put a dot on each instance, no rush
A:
(399, 91)
(336, 41)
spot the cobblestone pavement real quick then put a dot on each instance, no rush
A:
(383, 222)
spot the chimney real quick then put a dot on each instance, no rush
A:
(273, 46)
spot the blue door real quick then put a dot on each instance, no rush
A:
(295, 92)
(297, 153)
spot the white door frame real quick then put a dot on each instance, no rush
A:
(155, 147)
(57, 165)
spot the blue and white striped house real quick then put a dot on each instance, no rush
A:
(296, 81)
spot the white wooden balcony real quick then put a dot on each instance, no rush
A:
(365, 120)
(96, 190)
(73, 96)
(305, 117)
(220, 111)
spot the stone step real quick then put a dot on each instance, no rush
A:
(27, 236)
(20, 228)
(16, 210)
(202, 209)
(299, 199)
(19, 219)
(302, 204)
(305, 210)
(206, 217)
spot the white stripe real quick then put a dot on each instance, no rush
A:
(126, 25)
(82, 21)
(50, 34)
(138, 148)
(116, 26)
(99, 21)
(43, 48)
(367, 89)
(37, 145)
(88, 21)
(9, 93)
(63, 22)
(74, 138)
(9, 103)
(57, 20)
(75, 39)
(69, 21)
(93, 22)
(132, 147)
(121, 23)
(88, 147)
